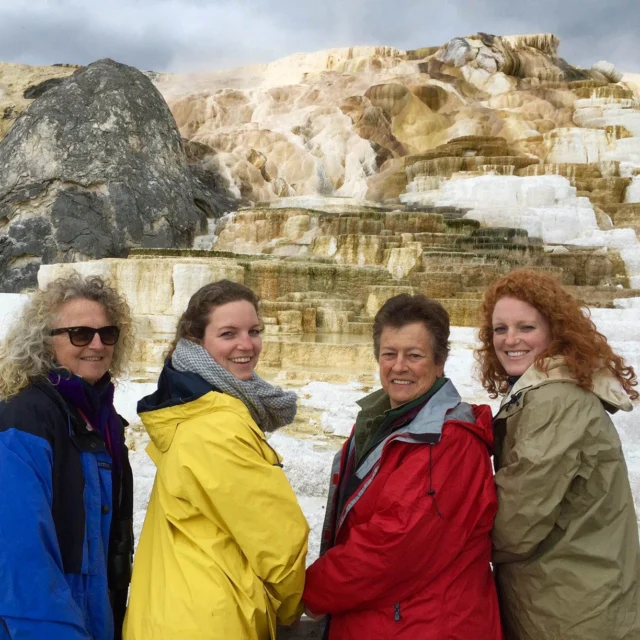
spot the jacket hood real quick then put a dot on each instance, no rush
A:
(181, 396)
(444, 406)
(482, 428)
(605, 386)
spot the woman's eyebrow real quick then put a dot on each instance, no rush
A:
(231, 326)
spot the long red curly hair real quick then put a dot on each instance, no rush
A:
(574, 335)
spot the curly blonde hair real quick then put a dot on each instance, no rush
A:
(26, 353)
(573, 333)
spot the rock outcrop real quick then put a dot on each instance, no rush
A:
(94, 167)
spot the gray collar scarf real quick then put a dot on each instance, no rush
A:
(270, 406)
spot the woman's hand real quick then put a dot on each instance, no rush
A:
(314, 616)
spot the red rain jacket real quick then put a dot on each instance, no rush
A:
(409, 552)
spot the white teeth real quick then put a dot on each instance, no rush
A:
(515, 354)
(240, 360)
(92, 359)
(401, 381)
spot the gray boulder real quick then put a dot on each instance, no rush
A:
(93, 168)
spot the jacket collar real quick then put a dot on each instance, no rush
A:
(83, 437)
(379, 403)
(375, 403)
(605, 386)
(183, 396)
(426, 427)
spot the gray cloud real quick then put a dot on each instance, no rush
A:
(183, 35)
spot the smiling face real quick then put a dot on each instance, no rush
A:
(520, 334)
(232, 338)
(407, 366)
(92, 361)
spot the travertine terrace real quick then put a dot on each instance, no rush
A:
(369, 171)
(322, 276)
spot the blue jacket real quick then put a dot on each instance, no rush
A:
(65, 538)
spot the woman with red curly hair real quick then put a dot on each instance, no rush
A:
(565, 538)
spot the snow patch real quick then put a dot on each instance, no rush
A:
(337, 404)
(627, 303)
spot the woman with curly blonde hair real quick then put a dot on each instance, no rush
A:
(66, 503)
(565, 539)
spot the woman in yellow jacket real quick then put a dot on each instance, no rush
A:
(223, 547)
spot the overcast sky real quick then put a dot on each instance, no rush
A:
(191, 35)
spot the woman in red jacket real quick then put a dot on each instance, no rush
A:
(406, 542)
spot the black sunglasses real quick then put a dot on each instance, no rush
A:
(82, 336)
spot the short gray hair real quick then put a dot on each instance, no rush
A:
(404, 309)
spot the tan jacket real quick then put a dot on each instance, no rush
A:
(566, 535)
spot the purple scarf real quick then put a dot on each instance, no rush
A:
(95, 402)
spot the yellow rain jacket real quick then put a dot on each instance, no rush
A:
(223, 547)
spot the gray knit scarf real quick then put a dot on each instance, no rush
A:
(270, 406)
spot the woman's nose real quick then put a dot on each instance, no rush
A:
(245, 342)
(96, 343)
(511, 337)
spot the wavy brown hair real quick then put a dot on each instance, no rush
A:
(574, 336)
(27, 353)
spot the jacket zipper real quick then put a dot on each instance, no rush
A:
(396, 612)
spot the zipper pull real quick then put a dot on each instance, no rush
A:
(396, 614)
